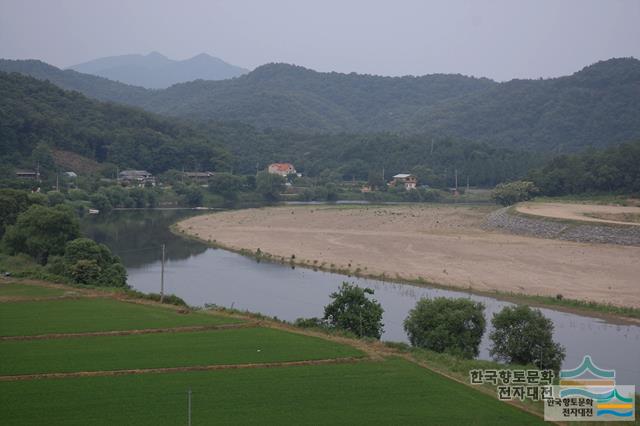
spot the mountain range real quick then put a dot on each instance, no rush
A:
(594, 107)
(156, 71)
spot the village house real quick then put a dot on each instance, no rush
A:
(199, 177)
(282, 169)
(409, 181)
(136, 178)
(27, 174)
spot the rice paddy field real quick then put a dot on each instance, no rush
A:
(102, 361)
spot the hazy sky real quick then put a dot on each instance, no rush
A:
(501, 39)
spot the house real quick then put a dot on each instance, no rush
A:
(136, 178)
(282, 169)
(27, 174)
(198, 177)
(70, 175)
(404, 179)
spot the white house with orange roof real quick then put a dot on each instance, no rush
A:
(282, 169)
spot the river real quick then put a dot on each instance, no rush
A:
(200, 274)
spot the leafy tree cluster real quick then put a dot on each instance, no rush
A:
(447, 325)
(614, 169)
(51, 236)
(510, 193)
(87, 262)
(41, 232)
(520, 335)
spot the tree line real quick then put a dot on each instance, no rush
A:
(520, 335)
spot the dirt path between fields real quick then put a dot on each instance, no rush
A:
(441, 244)
(345, 360)
(131, 332)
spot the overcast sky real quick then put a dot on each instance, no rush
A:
(500, 39)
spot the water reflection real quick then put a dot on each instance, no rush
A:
(204, 275)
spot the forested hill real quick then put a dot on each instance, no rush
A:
(90, 85)
(36, 116)
(34, 113)
(594, 107)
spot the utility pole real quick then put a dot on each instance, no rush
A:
(467, 183)
(189, 407)
(456, 176)
(58, 181)
(383, 181)
(162, 278)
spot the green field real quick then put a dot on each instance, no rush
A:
(372, 390)
(93, 315)
(24, 290)
(386, 392)
(233, 346)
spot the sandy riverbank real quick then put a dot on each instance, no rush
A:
(438, 243)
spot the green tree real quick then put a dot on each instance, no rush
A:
(42, 231)
(269, 186)
(101, 202)
(54, 198)
(510, 193)
(447, 325)
(191, 194)
(226, 185)
(524, 336)
(12, 203)
(351, 310)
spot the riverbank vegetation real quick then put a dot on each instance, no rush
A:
(49, 237)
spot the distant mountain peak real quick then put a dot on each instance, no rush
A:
(156, 54)
(156, 71)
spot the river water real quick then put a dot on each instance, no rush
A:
(200, 274)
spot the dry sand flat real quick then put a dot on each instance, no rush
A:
(442, 244)
(582, 212)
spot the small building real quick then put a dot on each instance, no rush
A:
(27, 174)
(409, 181)
(198, 177)
(70, 175)
(136, 178)
(282, 169)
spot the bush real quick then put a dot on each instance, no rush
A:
(524, 336)
(453, 326)
(84, 271)
(310, 323)
(510, 193)
(111, 272)
(351, 310)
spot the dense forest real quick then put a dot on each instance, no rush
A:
(595, 107)
(36, 116)
(615, 169)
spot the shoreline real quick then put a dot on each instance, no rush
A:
(607, 312)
